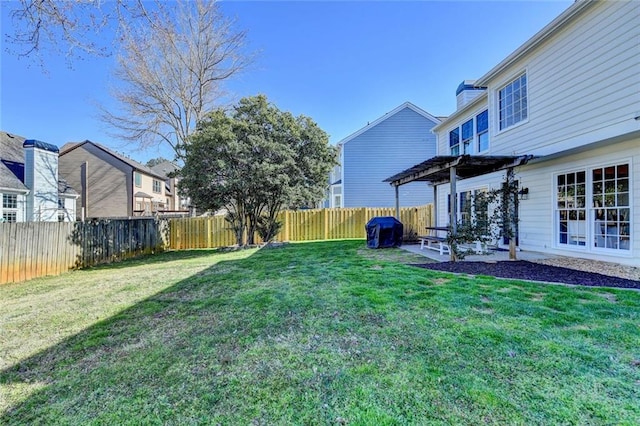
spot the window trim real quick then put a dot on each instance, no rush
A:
(159, 184)
(135, 179)
(455, 131)
(496, 103)
(13, 210)
(477, 134)
(590, 245)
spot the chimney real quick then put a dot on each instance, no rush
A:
(41, 177)
(467, 91)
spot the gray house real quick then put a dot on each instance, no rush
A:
(392, 142)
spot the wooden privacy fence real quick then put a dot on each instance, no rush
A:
(302, 225)
(33, 249)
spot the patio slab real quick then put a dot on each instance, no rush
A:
(492, 256)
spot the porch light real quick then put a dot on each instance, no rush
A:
(523, 194)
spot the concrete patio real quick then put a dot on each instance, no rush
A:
(491, 256)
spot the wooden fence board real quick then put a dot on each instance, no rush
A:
(33, 249)
(303, 225)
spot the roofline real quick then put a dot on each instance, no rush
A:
(387, 115)
(558, 23)
(23, 191)
(470, 105)
(79, 144)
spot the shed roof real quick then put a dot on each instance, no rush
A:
(437, 169)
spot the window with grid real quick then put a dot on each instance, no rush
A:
(467, 136)
(157, 186)
(512, 102)
(571, 211)
(454, 141)
(611, 208)
(9, 201)
(482, 131)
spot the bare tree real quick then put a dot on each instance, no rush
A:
(72, 28)
(170, 72)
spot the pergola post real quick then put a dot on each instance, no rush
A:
(454, 208)
(434, 219)
(397, 203)
(511, 214)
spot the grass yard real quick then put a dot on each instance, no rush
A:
(313, 333)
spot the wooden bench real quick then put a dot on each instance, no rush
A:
(435, 242)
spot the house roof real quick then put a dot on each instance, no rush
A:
(65, 189)
(11, 147)
(388, 115)
(165, 168)
(11, 159)
(437, 169)
(70, 146)
(8, 180)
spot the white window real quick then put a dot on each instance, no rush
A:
(512, 102)
(606, 223)
(571, 208)
(454, 141)
(612, 226)
(138, 179)
(9, 207)
(157, 186)
(467, 137)
(482, 131)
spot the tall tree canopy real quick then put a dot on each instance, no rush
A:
(254, 160)
(170, 72)
(172, 57)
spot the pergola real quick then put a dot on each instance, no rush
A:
(442, 169)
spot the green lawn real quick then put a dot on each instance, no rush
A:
(313, 333)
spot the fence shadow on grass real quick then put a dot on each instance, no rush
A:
(151, 360)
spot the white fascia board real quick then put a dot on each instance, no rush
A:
(557, 24)
(386, 116)
(14, 190)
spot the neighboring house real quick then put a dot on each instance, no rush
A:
(110, 184)
(30, 187)
(368, 156)
(569, 97)
(175, 203)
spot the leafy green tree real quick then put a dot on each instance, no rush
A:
(254, 160)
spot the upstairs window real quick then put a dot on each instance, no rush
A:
(454, 141)
(9, 208)
(9, 201)
(157, 186)
(138, 179)
(513, 102)
(482, 130)
(467, 136)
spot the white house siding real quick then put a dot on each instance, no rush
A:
(582, 84)
(538, 227)
(394, 144)
(470, 112)
(537, 222)
(41, 176)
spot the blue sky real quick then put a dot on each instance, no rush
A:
(342, 63)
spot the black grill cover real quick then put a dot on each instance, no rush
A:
(384, 232)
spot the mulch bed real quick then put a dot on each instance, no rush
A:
(523, 270)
